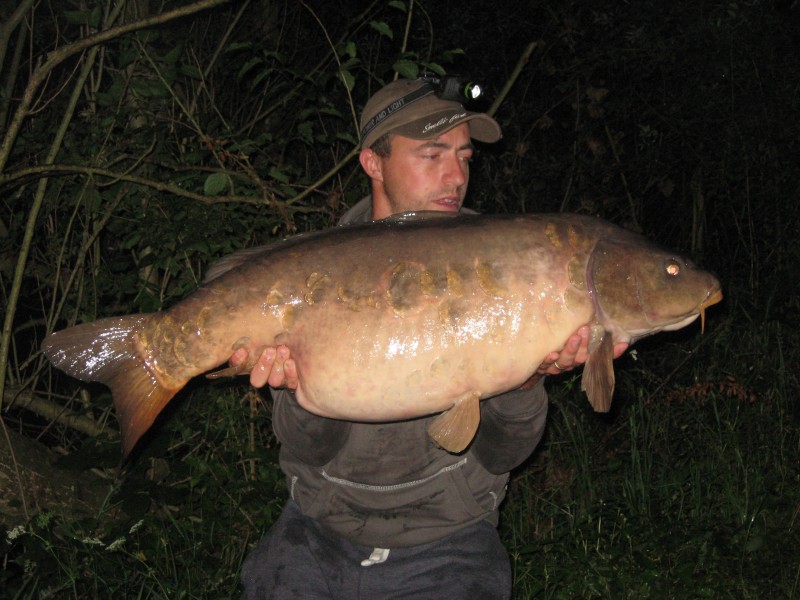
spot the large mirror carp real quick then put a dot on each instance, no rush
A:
(401, 318)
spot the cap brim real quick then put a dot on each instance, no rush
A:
(481, 126)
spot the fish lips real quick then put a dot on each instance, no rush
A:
(713, 297)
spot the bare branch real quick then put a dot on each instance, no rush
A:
(56, 57)
(57, 413)
(50, 170)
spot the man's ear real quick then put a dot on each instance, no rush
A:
(372, 164)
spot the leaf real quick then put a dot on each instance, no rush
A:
(306, 131)
(406, 68)
(436, 68)
(111, 96)
(347, 137)
(78, 17)
(173, 55)
(348, 79)
(278, 175)
(131, 241)
(128, 53)
(330, 111)
(247, 66)
(190, 71)
(237, 46)
(451, 55)
(147, 36)
(149, 88)
(398, 5)
(215, 184)
(94, 20)
(192, 158)
(350, 49)
(262, 74)
(383, 28)
(349, 63)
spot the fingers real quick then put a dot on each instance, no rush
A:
(260, 373)
(277, 376)
(574, 353)
(290, 369)
(276, 368)
(619, 349)
(239, 357)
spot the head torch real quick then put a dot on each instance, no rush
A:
(433, 89)
(452, 87)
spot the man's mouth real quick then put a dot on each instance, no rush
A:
(448, 203)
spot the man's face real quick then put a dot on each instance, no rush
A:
(421, 174)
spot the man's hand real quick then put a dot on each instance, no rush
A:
(573, 354)
(274, 366)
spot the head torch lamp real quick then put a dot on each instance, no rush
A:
(454, 88)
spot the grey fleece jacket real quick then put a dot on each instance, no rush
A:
(388, 485)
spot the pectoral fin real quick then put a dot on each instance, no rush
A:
(454, 429)
(242, 369)
(228, 372)
(598, 374)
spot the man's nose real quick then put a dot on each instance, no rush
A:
(456, 172)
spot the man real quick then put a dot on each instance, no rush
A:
(378, 510)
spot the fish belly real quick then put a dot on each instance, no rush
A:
(379, 366)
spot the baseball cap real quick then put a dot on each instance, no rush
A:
(411, 108)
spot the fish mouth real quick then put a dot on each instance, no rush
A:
(712, 299)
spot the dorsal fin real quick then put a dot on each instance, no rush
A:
(232, 261)
(414, 216)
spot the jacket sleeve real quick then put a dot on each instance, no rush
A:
(512, 425)
(313, 440)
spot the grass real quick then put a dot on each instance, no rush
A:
(693, 493)
(689, 489)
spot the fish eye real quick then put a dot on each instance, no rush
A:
(673, 268)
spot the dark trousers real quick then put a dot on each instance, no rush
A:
(299, 559)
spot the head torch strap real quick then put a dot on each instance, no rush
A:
(395, 106)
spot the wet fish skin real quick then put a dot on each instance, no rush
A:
(406, 317)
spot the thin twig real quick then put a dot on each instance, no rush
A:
(512, 79)
(53, 170)
(338, 63)
(624, 179)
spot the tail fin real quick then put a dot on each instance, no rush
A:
(106, 351)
